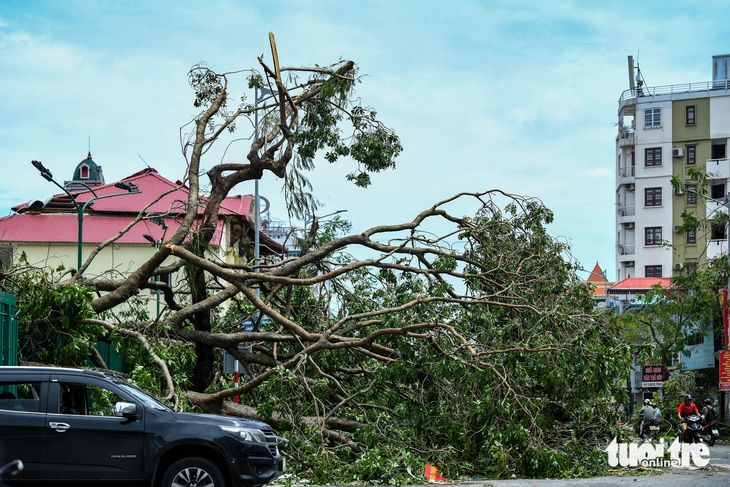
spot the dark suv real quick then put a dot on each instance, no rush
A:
(84, 427)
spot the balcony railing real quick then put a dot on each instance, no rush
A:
(625, 136)
(626, 249)
(626, 172)
(718, 168)
(702, 86)
(626, 210)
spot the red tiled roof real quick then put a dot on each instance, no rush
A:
(63, 228)
(151, 185)
(640, 283)
(105, 217)
(239, 205)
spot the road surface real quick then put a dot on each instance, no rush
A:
(715, 474)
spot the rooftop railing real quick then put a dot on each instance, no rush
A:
(702, 86)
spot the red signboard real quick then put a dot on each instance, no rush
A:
(724, 370)
(725, 320)
(652, 375)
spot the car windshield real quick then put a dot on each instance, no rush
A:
(142, 396)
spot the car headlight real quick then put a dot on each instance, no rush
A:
(246, 434)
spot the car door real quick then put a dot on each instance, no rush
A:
(22, 422)
(84, 440)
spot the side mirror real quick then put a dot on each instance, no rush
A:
(125, 410)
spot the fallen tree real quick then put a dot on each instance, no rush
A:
(463, 340)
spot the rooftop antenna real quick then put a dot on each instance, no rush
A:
(635, 82)
(145, 162)
(632, 86)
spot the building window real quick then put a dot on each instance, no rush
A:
(653, 156)
(691, 237)
(717, 232)
(84, 172)
(6, 257)
(690, 115)
(652, 117)
(718, 151)
(717, 191)
(653, 197)
(691, 195)
(691, 154)
(653, 271)
(653, 235)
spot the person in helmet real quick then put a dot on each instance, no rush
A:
(685, 409)
(646, 416)
(708, 412)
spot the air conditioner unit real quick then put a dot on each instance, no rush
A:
(679, 190)
(677, 152)
(629, 263)
(676, 228)
(629, 226)
(630, 187)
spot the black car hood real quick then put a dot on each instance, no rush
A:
(216, 420)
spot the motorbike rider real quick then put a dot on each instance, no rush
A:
(708, 412)
(647, 416)
(685, 409)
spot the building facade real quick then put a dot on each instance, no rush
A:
(667, 131)
(47, 232)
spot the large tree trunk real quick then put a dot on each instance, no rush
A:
(204, 372)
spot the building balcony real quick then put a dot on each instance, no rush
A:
(716, 248)
(626, 176)
(712, 209)
(626, 250)
(625, 137)
(718, 168)
(626, 217)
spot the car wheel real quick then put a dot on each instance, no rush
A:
(193, 472)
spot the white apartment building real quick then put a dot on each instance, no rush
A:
(667, 131)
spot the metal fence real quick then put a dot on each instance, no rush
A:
(8, 330)
(706, 86)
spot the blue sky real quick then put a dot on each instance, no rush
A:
(512, 95)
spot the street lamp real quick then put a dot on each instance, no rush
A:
(46, 174)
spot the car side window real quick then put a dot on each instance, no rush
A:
(86, 399)
(72, 398)
(20, 396)
(101, 401)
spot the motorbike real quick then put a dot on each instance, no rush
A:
(11, 468)
(651, 428)
(694, 428)
(710, 433)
